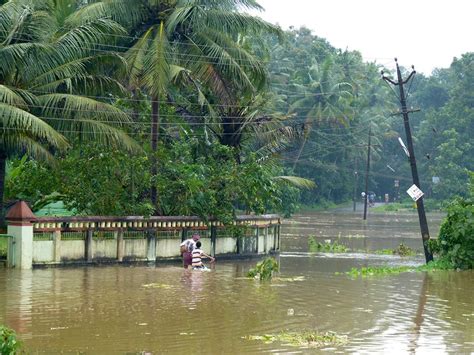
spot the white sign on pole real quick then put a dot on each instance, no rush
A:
(414, 192)
(400, 140)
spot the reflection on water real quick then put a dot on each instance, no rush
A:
(119, 309)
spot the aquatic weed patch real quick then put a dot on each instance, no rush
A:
(369, 271)
(401, 250)
(378, 271)
(304, 339)
(327, 247)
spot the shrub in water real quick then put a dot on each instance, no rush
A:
(404, 250)
(9, 345)
(326, 247)
(456, 236)
(264, 269)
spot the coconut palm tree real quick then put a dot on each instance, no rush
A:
(46, 75)
(192, 42)
(323, 100)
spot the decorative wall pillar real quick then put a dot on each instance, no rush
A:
(88, 245)
(20, 227)
(213, 240)
(120, 245)
(57, 245)
(151, 245)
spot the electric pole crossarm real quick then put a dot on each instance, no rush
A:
(389, 80)
(409, 77)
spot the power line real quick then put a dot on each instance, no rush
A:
(118, 98)
(173, 53)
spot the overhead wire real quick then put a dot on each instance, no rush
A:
(125, 99)
(186, 55)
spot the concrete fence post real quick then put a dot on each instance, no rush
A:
(20, 227)
(213, 240)
(88, 245)
(257, 236)
(151, 245)
(265, 239)
(120, 245)
(57, 245)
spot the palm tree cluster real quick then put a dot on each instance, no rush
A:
(48, 70)
(64, 62)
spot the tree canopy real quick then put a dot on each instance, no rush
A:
(196, 107)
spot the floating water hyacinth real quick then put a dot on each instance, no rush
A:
(312, 339)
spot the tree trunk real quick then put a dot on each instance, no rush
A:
(232, 136)
(3, 161)
(155, 119)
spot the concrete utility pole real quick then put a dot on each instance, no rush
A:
(367, 170)
(425, 234)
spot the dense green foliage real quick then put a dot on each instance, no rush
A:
(264, 269)
(455, 243)
(9, 345)
(333, 97)
(373, 271)
(99, 181)
(225, 112)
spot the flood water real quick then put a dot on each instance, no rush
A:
(165, 309)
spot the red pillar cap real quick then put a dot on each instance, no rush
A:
(20, 213)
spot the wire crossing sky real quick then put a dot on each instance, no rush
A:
(425, 33)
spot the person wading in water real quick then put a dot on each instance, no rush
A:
(187, 248)
(197, 256)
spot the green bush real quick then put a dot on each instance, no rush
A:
(404, 250)
(264, 269)
(456, 237)
(326, 247)
(9, 345)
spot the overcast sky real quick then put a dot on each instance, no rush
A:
(431, 34)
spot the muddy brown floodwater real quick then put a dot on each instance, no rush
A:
(164, 309)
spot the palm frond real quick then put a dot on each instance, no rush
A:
(238, 22)
(70, 106)
(87, 85)
(121, 11)
(297, 181)
(16, 120)
(23, 142)
(10, 97)
(136, 56)
(87, 37)
(156, 71)
(58, 72)
(14, 56)
(97, 131)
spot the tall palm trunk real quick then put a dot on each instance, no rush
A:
(3, 161)
(300, 151)
(155, 120)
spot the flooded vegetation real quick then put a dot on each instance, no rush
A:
(310, 305)
(122, 114)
